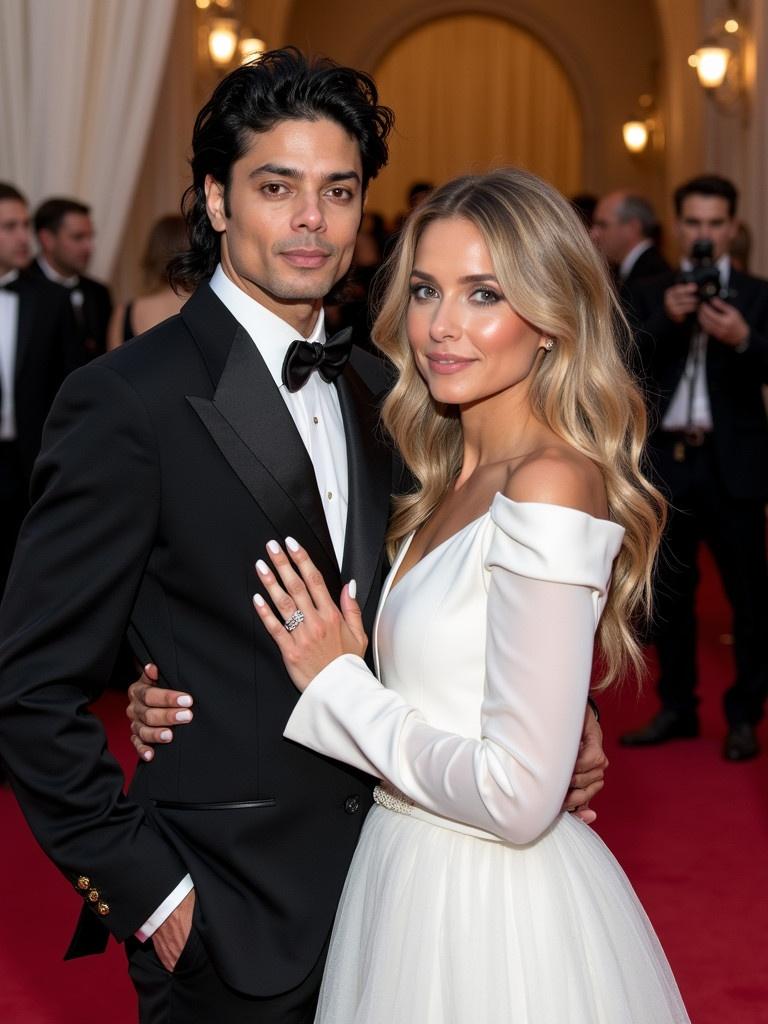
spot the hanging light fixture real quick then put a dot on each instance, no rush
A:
(712, 64)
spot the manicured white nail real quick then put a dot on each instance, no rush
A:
(184, 701)
(262, 567)
(166, 735)
(258, 600)
(274, 547)
(183, 716)
(291, 544)
(352, 589)
(147, 755)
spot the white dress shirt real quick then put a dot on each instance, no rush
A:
(316, 412)
(686, 411)
(9, 327)
(76, 296)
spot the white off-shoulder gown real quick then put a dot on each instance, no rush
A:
(471, 898)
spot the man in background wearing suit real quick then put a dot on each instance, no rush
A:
(703, 340)
(625, 229)
(65, 236)
(38, 348)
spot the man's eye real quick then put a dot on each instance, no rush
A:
(339, 192)
(274, 188)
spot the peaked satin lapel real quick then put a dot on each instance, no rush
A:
(369, 463)
(24, 324)
(251, 425)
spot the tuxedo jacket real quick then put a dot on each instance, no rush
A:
(47, 350)
(648, 264)
(166, 467)
(734, 379)
(96, 311)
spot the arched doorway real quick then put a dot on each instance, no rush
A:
(474, 91)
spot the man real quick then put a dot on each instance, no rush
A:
(222, 868)
(37, 350)
(65, 234)
(625, 229)
(704, 345)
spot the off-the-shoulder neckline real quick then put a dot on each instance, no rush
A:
(498, 497)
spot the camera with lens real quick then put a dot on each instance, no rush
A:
(703, 273)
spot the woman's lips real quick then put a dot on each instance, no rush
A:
(445, 364)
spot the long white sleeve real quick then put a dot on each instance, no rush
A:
(539, 640)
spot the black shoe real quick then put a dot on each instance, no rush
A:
(741, 743)
(665, 725)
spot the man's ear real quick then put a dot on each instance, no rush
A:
(46, 238)
(214, 203)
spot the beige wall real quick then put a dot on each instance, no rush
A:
(607, 48)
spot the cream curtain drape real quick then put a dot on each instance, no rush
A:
(472, 92)
(78, 88)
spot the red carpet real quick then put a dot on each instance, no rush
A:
(690, 830)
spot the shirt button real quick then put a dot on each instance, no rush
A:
(315, 419)
(330, 495)
(352, 804)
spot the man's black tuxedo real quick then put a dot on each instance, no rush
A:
(648, 264)
(166, 467)
(717, 485)
(46, 351)
(92, 316)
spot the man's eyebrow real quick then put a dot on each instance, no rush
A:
(281, 171)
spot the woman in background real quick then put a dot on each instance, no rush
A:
(159, 301)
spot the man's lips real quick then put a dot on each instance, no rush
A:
(306, 257)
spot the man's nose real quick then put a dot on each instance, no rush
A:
(309, 214)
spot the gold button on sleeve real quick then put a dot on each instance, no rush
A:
(103, 909)
(83, 883)
(93, 895)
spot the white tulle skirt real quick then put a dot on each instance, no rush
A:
(440, 927)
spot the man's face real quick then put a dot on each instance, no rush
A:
(15, 237)
(295, 201)
(69, 249)
(705, 218)
(614, 238)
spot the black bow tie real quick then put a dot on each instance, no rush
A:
(304, 357)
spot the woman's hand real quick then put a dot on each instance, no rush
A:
(152, 709)
(319, 632)
(589, 770)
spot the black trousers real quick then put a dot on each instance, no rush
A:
(194, 993)
(702, 510)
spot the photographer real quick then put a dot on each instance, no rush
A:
(703, 341)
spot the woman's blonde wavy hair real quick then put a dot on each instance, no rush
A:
(552, 276)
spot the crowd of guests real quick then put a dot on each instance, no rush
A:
(701, 353)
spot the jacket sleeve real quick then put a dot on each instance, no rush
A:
(78, 564)
(513, 779)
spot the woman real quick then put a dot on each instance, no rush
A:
(167, 239)
(471, 897)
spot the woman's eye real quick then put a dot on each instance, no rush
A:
(422, 291)
(486, 296)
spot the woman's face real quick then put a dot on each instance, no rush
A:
(468, 342)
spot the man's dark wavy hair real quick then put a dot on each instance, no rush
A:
(282, 85)
(707, 185)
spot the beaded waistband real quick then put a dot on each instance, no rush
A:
(392, 799)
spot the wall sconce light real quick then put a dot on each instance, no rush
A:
(225, 36)
(635, 135)
(250, 46)
(637, 131)
(222, 40)
(720, 62)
